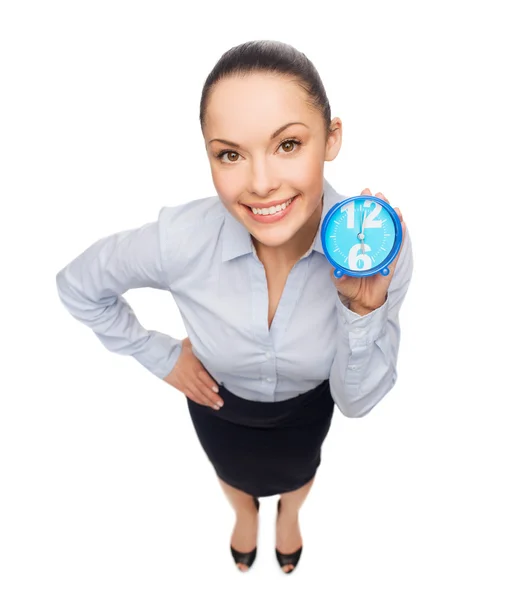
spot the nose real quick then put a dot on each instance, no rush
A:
(263, 180)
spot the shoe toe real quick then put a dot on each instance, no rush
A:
(244, 558)
(288, 559)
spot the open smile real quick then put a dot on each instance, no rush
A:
(277, 215)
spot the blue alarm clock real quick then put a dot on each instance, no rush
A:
(361, 236)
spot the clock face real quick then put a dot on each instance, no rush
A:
(361, 235)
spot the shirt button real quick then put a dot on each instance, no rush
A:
(269, 380)
(268, 355)
(353, 367)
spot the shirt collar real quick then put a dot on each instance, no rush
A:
(237, 239)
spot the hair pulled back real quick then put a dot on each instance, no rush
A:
(269, 56)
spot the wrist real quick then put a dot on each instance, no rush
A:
(361, 310)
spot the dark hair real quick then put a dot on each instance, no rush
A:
(272, 57)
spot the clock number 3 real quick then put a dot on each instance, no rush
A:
(369, 222)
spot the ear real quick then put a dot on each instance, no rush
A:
(334, 139)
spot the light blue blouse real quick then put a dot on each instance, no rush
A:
(205, 258)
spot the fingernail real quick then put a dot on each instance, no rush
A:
(220, 403)
(215, 389)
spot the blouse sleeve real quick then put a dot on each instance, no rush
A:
(364, 369)
(91, 288)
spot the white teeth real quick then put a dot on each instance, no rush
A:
(272, 210)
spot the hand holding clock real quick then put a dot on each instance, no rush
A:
(368, 293)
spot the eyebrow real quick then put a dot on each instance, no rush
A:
(273, 135)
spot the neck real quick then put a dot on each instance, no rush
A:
(290, 253)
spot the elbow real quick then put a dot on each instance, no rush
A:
(70, 295)
(60, 282)
(61, 278)
(356, 411)
(64, 290)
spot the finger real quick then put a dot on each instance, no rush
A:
(205, 378)
(382, 197)
(193, 392)
(203, 396)
(209, 387)
(366, 192)
(396, 259)
(211, 396)
(397, 210)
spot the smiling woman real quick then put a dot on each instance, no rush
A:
(271, 158)
(267, 170)
(269, 329)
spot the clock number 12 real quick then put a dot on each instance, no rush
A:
(369, 222)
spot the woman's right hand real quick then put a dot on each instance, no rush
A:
(190, 377)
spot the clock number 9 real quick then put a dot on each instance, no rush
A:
(370, 218)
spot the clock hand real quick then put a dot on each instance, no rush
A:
(361, 235)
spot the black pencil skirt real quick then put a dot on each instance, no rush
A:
(265, 448)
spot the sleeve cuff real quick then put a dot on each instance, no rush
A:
(160, 355)
(362, 330)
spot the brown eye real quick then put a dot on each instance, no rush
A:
(291, 146)
(234, 154)
(224, 153)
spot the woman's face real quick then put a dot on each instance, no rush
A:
(251, 167)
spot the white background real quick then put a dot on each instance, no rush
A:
(105, 490)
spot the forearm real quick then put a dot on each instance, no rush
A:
(91, 287)
(364, 368)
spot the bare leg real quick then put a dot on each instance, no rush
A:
(288, 536)
(244, 536)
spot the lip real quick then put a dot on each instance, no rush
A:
(273, 218)
(270, 204)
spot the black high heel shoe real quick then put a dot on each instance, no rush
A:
(287, 559)
(245, 558)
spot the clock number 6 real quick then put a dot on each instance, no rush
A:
(354, 257)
